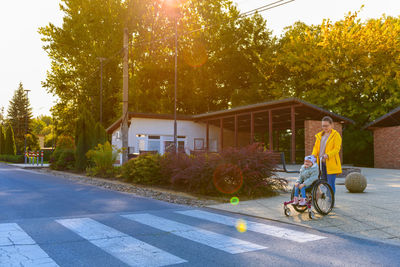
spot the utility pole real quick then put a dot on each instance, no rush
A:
(26, 127)
(124, 126)
(176, 82)
(101, 87)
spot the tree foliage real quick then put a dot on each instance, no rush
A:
(10, 148)
(2, 140)
(84, 138)
(19, 116)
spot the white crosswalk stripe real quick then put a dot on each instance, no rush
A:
(126, 248)
(215, 240)
(271, 230)
(17, 248)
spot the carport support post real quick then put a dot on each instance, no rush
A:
(208, 136)
(278, 135)
(221, 134)
(270, 132)
(293, 130)
(236, 131)
(251, 128)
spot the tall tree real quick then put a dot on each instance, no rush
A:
(10, 142)
(91, 29)
(2, 140)
(84, 138)
(19, 116)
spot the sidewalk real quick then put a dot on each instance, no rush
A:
(29, 166)
(373, 214)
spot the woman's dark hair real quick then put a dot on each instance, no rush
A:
(328, 119)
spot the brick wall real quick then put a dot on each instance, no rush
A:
(387, 147)
(311, 128)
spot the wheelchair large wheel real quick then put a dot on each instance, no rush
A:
(323, 197)
(297, 208)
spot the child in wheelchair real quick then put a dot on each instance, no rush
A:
(308, 174)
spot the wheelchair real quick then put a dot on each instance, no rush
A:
(319, 195)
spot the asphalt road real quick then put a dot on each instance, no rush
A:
(50, 221)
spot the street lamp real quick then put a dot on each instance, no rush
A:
(176, 82)
(26, 126)
(173, 7)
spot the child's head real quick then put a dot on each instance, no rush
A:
(309, 160)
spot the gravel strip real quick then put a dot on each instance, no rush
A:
(159, 194)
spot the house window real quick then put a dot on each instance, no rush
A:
(158, 143)
(169, 146)
(199, 144)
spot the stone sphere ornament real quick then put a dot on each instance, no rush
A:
(355, 182)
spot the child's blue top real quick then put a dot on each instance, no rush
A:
(308, 175)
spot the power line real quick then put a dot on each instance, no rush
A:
(265, 8)
(258, 8)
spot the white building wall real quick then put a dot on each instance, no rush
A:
(162, 127)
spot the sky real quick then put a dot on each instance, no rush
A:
(22, 58)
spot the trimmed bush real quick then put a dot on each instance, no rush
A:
(101, 160)
(62, 159)
(12, 158)
(10, 148)
(144, 169)
(2, 140)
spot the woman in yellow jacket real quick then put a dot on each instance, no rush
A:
(326, 149)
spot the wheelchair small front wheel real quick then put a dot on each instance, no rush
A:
(287, 211)
(311, 215)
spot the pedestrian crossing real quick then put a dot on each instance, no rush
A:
(215, 240)
(18, 248)
(126, 248)
(265, 229)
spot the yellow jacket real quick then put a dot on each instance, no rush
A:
(332, 148)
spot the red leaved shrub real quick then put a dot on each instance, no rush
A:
(243, 171)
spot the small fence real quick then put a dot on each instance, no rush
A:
(34, 157)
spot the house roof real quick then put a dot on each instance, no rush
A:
(281, 109)
(271, 105)
(388, 120)
(117, 124)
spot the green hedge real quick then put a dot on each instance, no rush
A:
(144, 169)
(12, 158)
(62, 159)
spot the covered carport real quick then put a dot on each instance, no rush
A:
(265, 119)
